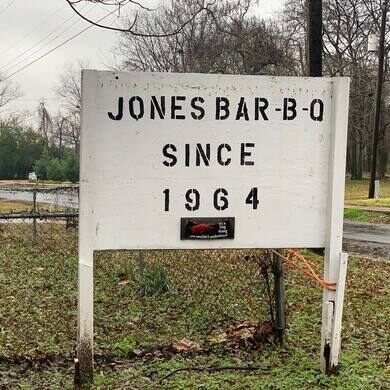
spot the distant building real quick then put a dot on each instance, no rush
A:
(32, 176)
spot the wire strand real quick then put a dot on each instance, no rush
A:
(55, 48)
(7, 6)
(6, 66)
(44, 22)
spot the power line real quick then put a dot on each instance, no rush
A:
(7, 6)
(35, 99)
(55, 48)
(39, 42)
(37, 50)
(36, 44)
(33, 30)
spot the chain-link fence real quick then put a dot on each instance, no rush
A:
(164, 296)
(143, 300)
(43, 218)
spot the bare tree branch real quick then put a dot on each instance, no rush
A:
(8, 92)
(202, 6)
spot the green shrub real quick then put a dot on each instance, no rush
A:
(154, 281)
(20, 147)
(40, 168)
(55, 170)
(72, 168)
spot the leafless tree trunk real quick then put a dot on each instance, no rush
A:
(69, 91)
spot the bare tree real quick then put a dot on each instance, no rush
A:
(346, 33)
(45, 123)
(8, 92)
(295, 18)
(66, 132)
(347, 24)
(71, 134)
(224, 40)
(141, 8)
(68, 90)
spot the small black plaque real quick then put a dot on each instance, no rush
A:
(207, 228)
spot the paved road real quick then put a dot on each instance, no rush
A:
(378, 209)
(367, 239)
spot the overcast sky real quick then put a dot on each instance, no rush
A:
(31, 28)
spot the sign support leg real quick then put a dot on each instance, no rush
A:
(85, 323)
(338, 311)
(332, 316)
(334, 259)
(87, 233)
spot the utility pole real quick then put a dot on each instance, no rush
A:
(314, 10)
(279, 297)
(62, 124)
(379, 88)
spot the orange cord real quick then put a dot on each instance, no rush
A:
(293, 253)
(309, 265)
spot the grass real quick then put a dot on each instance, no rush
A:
(19, 206)
(356, 193)
(175, 297)
(29, 183)
(198, 295)
(366, 216)
(14, 206)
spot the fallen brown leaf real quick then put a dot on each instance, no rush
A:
(185, 345)
(247, 331)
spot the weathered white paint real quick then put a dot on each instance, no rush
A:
(298, 169)
(291, 162)
(336, 187)
(328, 309)
(338, 311)
(86, 245)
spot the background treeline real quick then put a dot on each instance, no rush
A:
(24, 150)
(19, 149)
(51, 147)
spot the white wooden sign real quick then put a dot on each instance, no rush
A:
(159, 151)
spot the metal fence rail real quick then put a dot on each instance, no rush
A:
(152, 297)
(43, 234)
(40, 216)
